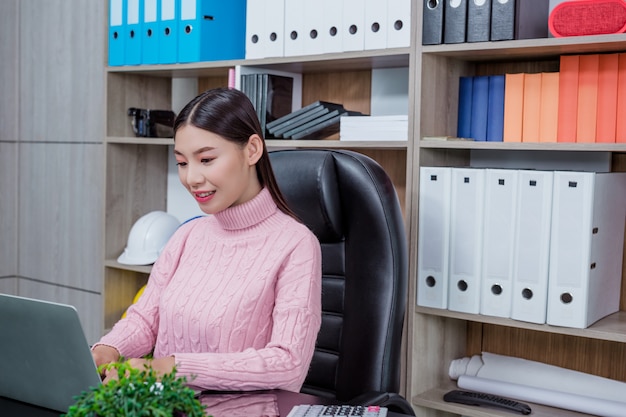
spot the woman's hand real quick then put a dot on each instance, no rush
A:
(103, 354)
(162, 366)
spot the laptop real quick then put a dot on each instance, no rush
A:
(46, 360)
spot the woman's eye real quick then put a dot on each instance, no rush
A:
(181, 164)
(206, 160)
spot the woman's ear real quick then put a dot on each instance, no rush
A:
(254, 149)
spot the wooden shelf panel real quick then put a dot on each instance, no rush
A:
(131, 140)
(337, 144)
(344, 61)
(531, 49)
(610, 328)
(434, 399)
(112, 263)
(526, 146)
(278, 143)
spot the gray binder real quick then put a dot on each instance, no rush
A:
(478, 20)
(432, 22)
(503, 19)
(531, 19)
(455, 21)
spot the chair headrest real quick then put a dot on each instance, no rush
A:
(308, 181)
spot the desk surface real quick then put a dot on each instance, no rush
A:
(275, 403)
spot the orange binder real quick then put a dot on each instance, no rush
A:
(532, 107)
(587, 98)
(513, 107)
(568, 98)
(607, 98)
(620, 129)
(549, 113)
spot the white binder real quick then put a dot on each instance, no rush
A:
(586, 247)
(274, 28)
(398, 23)
(532, 246)
(256, 39)
(313, 26)
(433, 237)
(353, 25)
(466, 234)
(375, 24)
(332, 26)
(294, 28)
(498, 242)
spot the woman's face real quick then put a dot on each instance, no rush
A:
(218, 173)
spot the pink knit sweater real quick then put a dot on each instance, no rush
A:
(235, 298)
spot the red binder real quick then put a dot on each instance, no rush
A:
(532, 107)
(587, 98)
(607, 98)
(568, 98)
(549, 117)
(620, 129)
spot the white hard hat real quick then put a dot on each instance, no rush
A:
(147, 238)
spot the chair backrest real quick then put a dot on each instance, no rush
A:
(351, 205)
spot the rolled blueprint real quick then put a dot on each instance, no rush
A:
(539, 375)
(574, 402)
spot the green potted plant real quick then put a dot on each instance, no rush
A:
(138, 393)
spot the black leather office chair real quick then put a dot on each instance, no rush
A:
(350, 204)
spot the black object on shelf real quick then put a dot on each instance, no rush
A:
(152, 123)
(480, 398)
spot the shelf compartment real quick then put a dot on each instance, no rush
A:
(434, 399)
(611, 328)
(120, 287)
(136, 183)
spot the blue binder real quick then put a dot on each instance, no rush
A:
(211, 30)
(495, 109)
(134, 17)
(117, 19)
(150, 42)
(168, 31)
(480, 100)
(465, 107)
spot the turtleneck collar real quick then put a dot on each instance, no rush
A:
(249, 213)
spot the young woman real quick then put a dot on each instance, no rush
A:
(234, 300)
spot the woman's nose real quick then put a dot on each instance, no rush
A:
(194, 176)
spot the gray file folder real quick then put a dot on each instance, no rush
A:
(478, 20)
(455, 21)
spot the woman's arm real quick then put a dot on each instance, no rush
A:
(134, 336)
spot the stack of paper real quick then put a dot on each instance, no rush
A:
(540, 383)
(394, 127)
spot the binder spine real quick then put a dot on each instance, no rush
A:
(433, 236)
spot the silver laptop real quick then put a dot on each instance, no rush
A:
(46, 360)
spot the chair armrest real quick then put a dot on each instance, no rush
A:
(394, 402)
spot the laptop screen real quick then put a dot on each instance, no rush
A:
(47, 360)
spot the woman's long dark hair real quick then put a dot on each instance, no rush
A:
(229, 113)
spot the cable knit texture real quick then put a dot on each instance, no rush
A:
(235, 298)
